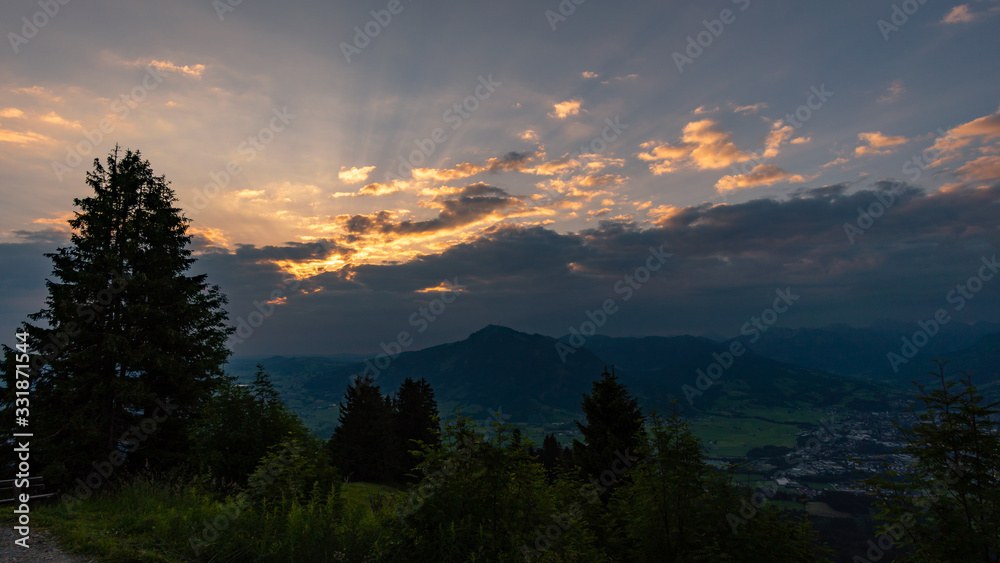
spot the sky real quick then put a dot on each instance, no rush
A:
(357, 171)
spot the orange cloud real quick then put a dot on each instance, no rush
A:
(374, 189)
(960, 14)
(459, 171)
(983, 168)
(761, 175)
(779, 135)
(510, 162)
(60, 221)
(554, 167)
(22, 137)
(875, 142)
(55, 119)
(663, 213)
(38, 92)
(215, 237)
(562, 110)
(167, 66)
(949, 145)
(986, 127)
(377, 189)
(354, 175)
(751, 109)
(704, 145)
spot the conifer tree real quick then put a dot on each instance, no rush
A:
(364, 446)
(677, 507)
(553, 457)
(613, 426)
(239, 424)
(415, 420)
(946, 507)
(129, 347)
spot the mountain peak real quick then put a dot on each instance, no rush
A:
(493, 330)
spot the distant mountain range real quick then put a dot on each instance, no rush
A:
(524, 375)
(863, 352)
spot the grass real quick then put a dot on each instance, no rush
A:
(117, 526)
(147, 521)
(365, 495)
(735, 432)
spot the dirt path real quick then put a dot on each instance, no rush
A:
(43, 548)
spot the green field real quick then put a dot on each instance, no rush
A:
(733, 433)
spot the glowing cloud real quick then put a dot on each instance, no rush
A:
(354, 175)
(704, 145)
(986, 127)
(983, 168)
(22, 137)
(55, 119)
(168, 66)
(374, 189)
(761, 175)
(960, 14)
(751, 109)
(562, 110)
(875, 142)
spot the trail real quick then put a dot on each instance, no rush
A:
(43, 548)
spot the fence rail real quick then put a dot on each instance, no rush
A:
(36, 488)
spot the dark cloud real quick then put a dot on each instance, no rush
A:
(727, 261)
(296, 251)
(473, 203)
(512, 161)
(54, 237)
